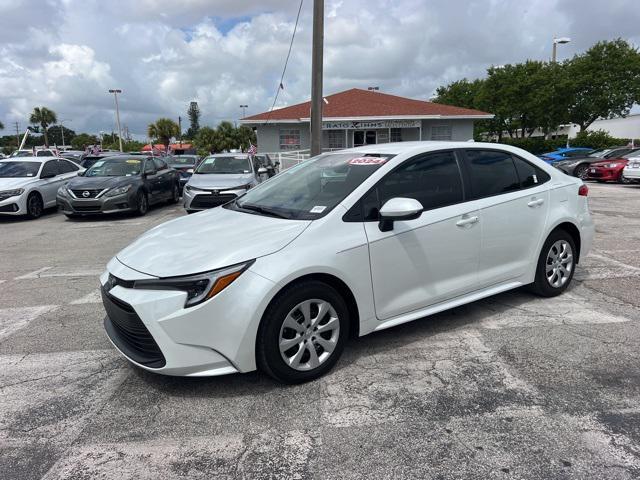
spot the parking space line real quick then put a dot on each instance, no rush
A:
(41, 273)
(91, 297)
(14, 319)
(34, 274)
(613, 261)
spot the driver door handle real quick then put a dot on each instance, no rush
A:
(467, 221)
(535, 202)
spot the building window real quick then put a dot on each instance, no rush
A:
(383, 136)
(336, 139)
(396, 135)
(441, 132)
(290, 139)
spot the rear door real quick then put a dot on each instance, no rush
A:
(435, 257)
(165, 178)
(151, 180)
(49, 186)
(513, 199)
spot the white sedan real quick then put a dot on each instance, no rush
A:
(342, 245)
(28, 185)
(632, 170)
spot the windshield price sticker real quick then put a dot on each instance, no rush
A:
(318, 209)
(133, 161)
(367, 161)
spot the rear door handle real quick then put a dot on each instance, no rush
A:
(465, 221)
(535, 203)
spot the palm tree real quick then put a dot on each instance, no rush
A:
(163, 130)
(44, 117)
(227, 136)
(1, 126)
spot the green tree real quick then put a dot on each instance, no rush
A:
(605, 82)
(227, 136)
(163, 130)
(43, 117)
(194, 119)
(1, 126)
(245, 136)
(82, 140)
(206, 141)
(55, 134)
(462, 93)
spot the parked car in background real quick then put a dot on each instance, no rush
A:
(88, 160)
(28, 185)
(119, 184)
(631, 171)
(35, 152)
(73, 155)
(279, 279)
(220, 178)
(565, 153)
(611, 170)
(578, 166)
(184, 165)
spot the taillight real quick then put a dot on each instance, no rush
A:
(583, 191)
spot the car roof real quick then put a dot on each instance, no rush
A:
(230, 154)
(28, 159)
(398, 148)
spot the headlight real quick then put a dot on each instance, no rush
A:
(241, 187)
(118, 191)
(62, 191)
(613, 165)
(189, 188)
(200, 287)
(11, 193)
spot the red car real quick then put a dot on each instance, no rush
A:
(608, 170)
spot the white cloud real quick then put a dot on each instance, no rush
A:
(66, 54)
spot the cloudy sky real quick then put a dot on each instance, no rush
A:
(66, 54)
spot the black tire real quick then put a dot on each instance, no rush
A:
(624, 180)
(143, 204)
(268, 355)
(542, 285)
(175, 194)
(35, 206)
(581, 171)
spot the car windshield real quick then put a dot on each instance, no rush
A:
(183, 161)
(19, 169)
(313, 188)
(115, 167)
(22, 153)
(230, 164)
(633, 154)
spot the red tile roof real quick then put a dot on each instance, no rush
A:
(365, 103)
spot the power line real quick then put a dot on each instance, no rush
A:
(286, 62)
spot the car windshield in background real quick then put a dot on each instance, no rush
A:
(313, 188)
(183, 161)
(632, 154)
(601, 152)
(228, 164)
(19, 169)
(115, 167)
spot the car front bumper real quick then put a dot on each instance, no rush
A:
(632, 173)
(154, 330)
(198, 200)
(604, 174)
(75, 206)
(14, 205)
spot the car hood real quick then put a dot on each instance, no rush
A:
(207, 241)
(219, 181)
(78, 183)
(13, 183)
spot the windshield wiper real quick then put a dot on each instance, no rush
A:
(259, 209)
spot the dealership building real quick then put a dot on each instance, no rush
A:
(363, 117)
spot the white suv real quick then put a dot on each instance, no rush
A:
(343, 244)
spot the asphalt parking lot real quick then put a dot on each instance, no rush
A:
(509, 387)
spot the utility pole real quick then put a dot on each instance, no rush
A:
(316, 77)
(180, 129)
(17, 133)
(115, 92)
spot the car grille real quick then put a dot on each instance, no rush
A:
(93, 193)
(86, 208)
(210, 201)
(129, 334)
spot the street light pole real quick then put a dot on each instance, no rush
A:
(115, 92)
(316, 77)
(244, 110)
(556, 41)
(62, 129)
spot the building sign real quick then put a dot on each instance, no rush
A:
(370, 124)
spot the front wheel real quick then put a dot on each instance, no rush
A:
(35, 207)
(143, 204)
(303, 332)
(581, 171)
(556, 265)
(175, 194)
(624, 180)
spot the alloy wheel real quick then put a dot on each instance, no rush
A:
(35, 206)
(581, 172)
(309, 334)
(559, 263)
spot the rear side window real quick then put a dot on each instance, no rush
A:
(67, 167)
(491, 173)
(529, 175)
(432, 179)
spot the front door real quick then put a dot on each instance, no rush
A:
(433, 258)
(364, 137)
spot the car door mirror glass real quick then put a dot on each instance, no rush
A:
(399, 209)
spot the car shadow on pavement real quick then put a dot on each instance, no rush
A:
(8, 219)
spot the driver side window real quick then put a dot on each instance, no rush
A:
(149, 168)
(433, 179)
(50, 168)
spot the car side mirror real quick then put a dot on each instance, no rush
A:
(398, 209)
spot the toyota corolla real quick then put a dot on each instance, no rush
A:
(344, 244)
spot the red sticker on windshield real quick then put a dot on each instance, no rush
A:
(367, 161)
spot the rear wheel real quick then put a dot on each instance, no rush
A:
(624, 180)
(556, 265)
(303, 332)
(35, 206)
(143, 204)
(581, 171)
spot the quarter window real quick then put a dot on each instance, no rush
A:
(290, 139)
(491, 173)
(432, 179)
(65, 166)
(529, 175)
